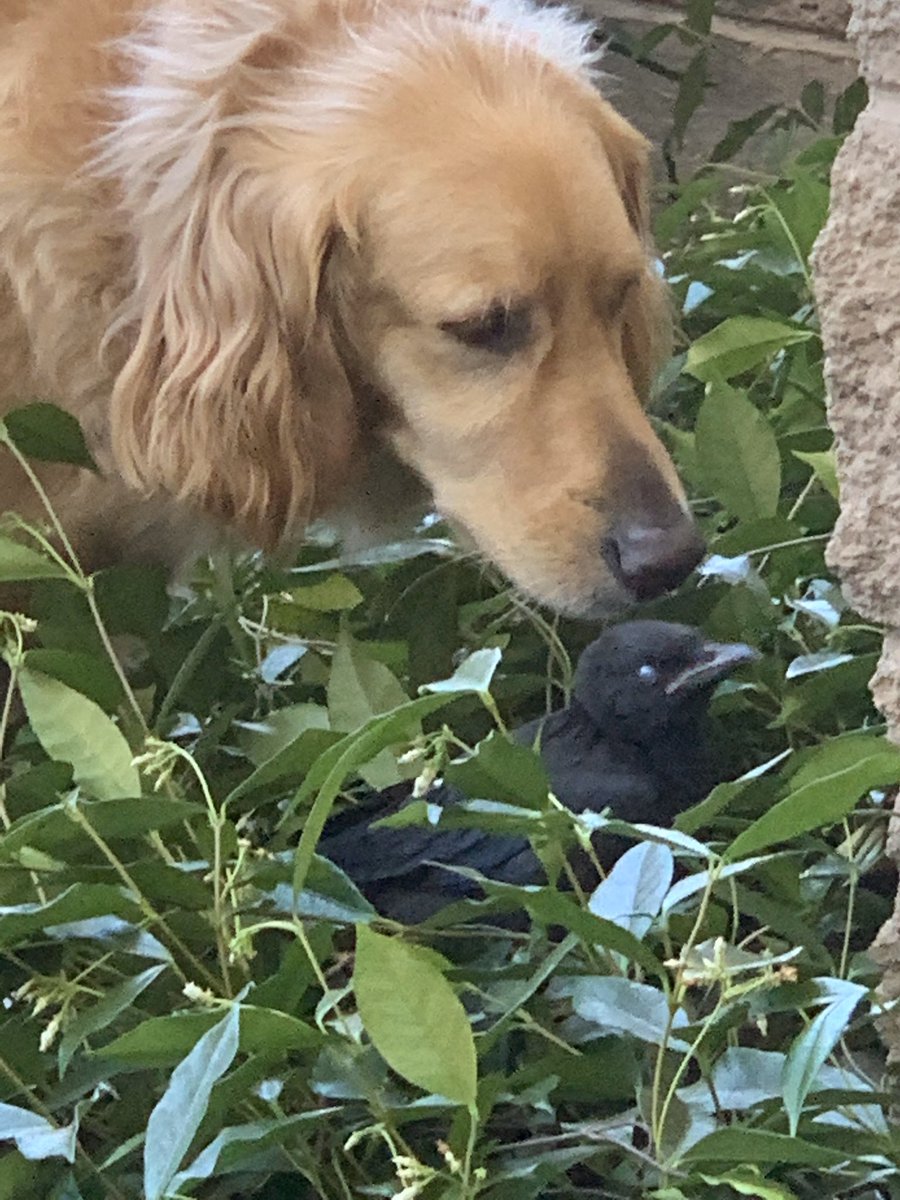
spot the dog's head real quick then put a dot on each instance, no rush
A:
(451, 226)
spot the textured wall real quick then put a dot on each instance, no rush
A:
(857, 266)
(821, 16)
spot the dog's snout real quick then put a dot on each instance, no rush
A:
(652, 559)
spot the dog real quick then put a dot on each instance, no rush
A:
(290, 260)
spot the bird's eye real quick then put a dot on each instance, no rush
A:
(501, 330)
(648, 673)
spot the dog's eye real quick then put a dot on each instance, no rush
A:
(500, 330)
(648, 673)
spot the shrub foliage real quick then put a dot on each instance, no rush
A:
(196, 1004)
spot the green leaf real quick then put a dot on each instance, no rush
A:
(824, 468)
(750, 1183)
(162, 1041)
(75, 730)
(816, 804)
(66, 1189)
(707, 810)
(335, 594)
(849, 104)
(739, 133)
(262, 740)
(98, 1016)
(492, 816)
(811, 664)
(20, 563)
(88, 674)
(801, 209)
(237, 1143)
(699, 15)
(813, 701)
(757, 1146)
(740, 343)
(553, 908)
(50, 434)
(53, 828)
(742, 1078)
(751, 536)
(133, 599)
(812, 100)
(177, 1114)
(632, 893)
(359, 688)
(34, 1136)
(414, 1018)
(698, 882)
(839, 753)
(502, 770)
(738, 454)
(80, 902)
(690, 94)
(329, 895)
(811, 1049)
(291, 762)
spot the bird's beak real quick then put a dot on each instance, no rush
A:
(717, 660)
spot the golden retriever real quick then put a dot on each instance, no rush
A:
(294, 259)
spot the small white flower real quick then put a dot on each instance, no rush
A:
(48, 1037)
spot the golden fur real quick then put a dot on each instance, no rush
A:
(236, 237)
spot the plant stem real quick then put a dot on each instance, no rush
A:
(147, 908)
(469, 1187)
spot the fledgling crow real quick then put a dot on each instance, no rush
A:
(631, 739)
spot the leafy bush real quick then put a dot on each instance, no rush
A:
(183, 1014)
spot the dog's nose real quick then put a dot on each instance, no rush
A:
(651, 559)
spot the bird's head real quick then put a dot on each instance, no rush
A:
(643, 677)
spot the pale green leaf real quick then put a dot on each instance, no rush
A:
(810, 1051)
(35, 1138)
(19, 563)
(474, 674)
(632, 893)
(619, 1006)
(413, 1016)
(75, 730)
(824, 468)
(738, 454)
(335, 594)
(360, 688)
(177, 1114)
(740, 343)
(816, 804)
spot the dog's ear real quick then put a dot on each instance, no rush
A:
(647, 330)
(232, 396)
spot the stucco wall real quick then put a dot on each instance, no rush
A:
(827, 17)
(857, 270)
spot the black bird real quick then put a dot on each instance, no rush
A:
(631, 739)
